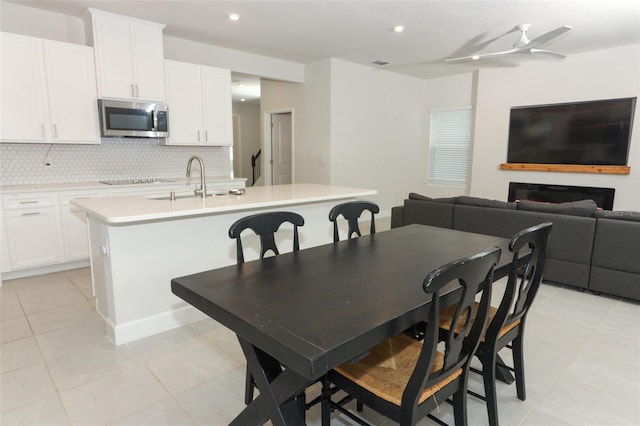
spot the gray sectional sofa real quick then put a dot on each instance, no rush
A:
(588, 248)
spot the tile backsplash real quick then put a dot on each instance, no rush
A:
(114, 158)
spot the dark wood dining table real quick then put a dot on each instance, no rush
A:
(299, 314)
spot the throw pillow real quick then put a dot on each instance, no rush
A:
(585, 208)
(484, 202)
(416, 196)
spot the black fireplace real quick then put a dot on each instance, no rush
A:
(561, 193)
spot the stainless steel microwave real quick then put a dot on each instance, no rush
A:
(133, 119)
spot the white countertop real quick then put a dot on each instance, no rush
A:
(135, 209)
(76, 186)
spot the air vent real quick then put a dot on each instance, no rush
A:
(380, 63)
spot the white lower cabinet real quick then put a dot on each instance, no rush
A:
(75, 241)
(43, 232)
(74, 233)
(32, 230)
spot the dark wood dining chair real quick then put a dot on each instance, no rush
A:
(265, 225)
(352, 211)
(507, 321)
(405, 379)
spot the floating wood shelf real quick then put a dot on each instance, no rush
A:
(568, 168)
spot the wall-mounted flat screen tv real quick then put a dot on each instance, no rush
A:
(589, 133)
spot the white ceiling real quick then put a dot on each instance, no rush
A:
(361, 31)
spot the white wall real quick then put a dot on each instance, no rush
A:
(310, 106)
(355, 126)
(377, 131)
(237, 61)
(454, 91)
(612, 73)
(250, 137)
(29, 21)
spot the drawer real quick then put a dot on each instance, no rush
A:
(28, 201)
(67, 196)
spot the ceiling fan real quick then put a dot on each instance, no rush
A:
(522, 46)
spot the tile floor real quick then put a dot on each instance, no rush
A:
(58, 368)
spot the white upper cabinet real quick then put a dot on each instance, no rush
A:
(129, 57)
(48, 92)
(71, 80)
(199, 100)
(23, 92)
(216, 104)
(184, 97)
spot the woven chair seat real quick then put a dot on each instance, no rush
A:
(446, 317)
(386, 370)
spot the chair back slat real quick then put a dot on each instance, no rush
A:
(352, 211)
(524, 280)
(265, 225)
(471, 274)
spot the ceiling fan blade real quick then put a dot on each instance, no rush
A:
(546, 37)
(482, 56)
(524, 46)
(474, 46)
(548, 53)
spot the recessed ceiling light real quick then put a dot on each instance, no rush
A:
(475, 57)
(234, 16)
(398, 28)
(242, 100)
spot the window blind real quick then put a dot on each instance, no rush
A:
(450, 143)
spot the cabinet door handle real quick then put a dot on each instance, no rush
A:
(137, 94)
(29, 202)
(30, 214)
(43, 132)
(198, 135)
(133, 90)
(55, 131)
(206, 136)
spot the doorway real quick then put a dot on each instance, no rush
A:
(278, 164)
(237, 148)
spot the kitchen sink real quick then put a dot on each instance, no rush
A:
(182, 195)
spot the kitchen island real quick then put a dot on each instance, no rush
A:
(139, 243)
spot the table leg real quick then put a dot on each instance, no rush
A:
(278, 388)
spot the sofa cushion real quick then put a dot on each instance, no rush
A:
(397, 216)
(618, 215)
(585, 208)
(570, 244)
(618, 283)
(420, 197)
(616, 245)
(428, 213)
(484, 202)
(615, 267)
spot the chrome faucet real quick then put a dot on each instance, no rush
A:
(202, 191)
